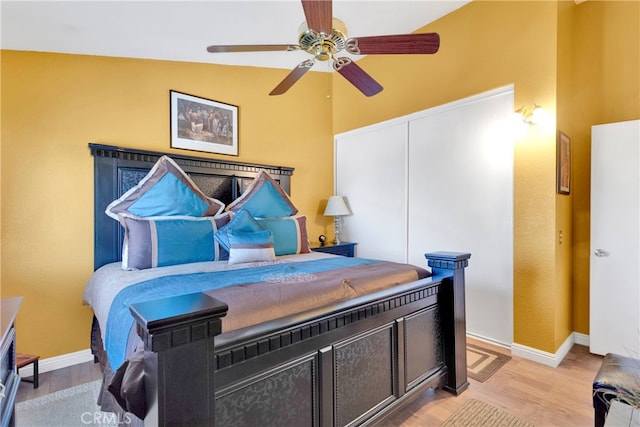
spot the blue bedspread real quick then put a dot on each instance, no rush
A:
(120, 320)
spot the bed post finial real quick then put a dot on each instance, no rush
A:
(452, 264)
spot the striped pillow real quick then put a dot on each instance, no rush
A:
(289, 234)
(162, 241)
(250, 246)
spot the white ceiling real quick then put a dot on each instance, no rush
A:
(181, 30)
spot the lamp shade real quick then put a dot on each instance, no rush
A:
(336, 206)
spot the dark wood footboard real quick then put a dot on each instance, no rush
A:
(351, 363)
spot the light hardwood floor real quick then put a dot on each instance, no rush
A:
(60, 379)
(537, 393)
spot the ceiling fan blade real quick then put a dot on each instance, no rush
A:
(295, 75)
(395, 44)
(252, 48)
(318, 14)
(357, 76)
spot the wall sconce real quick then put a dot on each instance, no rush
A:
(531, 115)
(337, 208)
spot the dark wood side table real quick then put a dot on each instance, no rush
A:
(9, 378)
(343, 248)
(22, 360)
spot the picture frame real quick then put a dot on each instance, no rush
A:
(563, 163)
(201, 124)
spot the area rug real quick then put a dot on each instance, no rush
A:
(477, 413)
(75, 406)
(482, 362)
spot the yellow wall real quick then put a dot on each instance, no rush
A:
(579, 61)
(605, 88)
(563, 223)
(53, 105)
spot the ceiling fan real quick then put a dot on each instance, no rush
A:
(324, 36)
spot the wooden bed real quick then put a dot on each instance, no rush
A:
(350, 363)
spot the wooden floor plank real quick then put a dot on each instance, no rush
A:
(540, 394)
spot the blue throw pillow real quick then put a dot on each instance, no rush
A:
(242, 221)
(264, 199)
(165, 191)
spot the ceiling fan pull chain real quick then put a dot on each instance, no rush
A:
(352, 47)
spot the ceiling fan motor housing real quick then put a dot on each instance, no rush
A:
(321, 45)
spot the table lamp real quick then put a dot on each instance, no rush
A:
(337, 208)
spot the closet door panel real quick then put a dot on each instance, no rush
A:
(461, 199)
(371, 173)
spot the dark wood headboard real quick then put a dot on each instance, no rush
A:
(118, 169)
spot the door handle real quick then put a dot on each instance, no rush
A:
(601, 253)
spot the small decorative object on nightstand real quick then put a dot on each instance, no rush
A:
(343, 248)
(337, 208)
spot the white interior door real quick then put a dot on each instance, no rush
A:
(615, 239)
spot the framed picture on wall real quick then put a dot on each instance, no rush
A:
(201, 124)
(563, 162)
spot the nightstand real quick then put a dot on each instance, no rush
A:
(343, 248)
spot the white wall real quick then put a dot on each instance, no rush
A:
(439, 179)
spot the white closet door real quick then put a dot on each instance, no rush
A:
(439, 179)
(615, 239)
(371, 173)
(461, 199)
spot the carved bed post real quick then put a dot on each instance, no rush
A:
(178, 334)
(453, 311)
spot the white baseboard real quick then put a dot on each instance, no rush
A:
(489, 340)
(58, 362)
(546, 358)
(539, 356)
(582, 339)
(543, 357)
